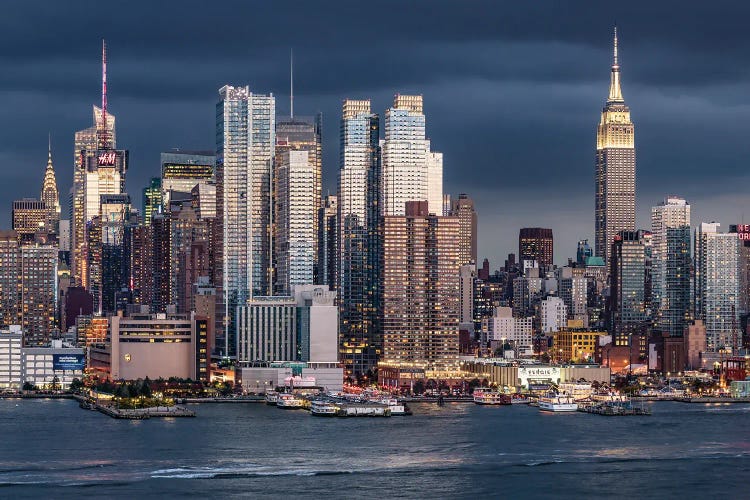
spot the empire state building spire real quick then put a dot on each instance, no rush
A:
(615, 92)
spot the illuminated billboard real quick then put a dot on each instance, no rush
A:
(68, 362)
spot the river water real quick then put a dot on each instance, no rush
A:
(53, 449)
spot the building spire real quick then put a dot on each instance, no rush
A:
(102, 132)
(615, 92)
(49, 150)
(291, 84)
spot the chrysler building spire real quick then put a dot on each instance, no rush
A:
(49, 191)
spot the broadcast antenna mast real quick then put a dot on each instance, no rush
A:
(291, 84)
(103, 130)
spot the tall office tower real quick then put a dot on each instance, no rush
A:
(358, 237)
(295, 220)
(115, 263)
(536, 243)
(245, 131)
(153, 200)
(297, 133)
(10, 280)
(38, 299)
(50, 196)
(627, 309)
(411, 172)
(615, 167)
(327, 246)
(183, 170)
(463, 208)
(101, 136)
(204, 200)
(421, 305)
(717, 285)
(670, 268)
(29, 217)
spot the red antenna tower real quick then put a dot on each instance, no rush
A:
(103, 130)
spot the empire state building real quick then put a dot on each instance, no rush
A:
(615, 167)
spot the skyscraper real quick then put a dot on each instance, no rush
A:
(627, 301)
(183, 170)
(358, 237)
(463, 208)
(670, 268)
(153, 200)
(297, 133)
(245, 130)
(50, 196)
(327, 246)
(615, 167)
(421, 304)
(100, 136)
(296, 220)
(717, 285)
(536, 243)
(411, 172)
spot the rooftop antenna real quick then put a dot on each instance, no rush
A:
(103, 130)
(291, 84)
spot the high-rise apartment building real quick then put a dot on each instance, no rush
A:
(717, 285)
(296, 220)
(463, 208)
(743, 233)
(554, 314)
(411, 172)
(627, 301)
(671, 264)
(615, 167)
(245, 138)
(30, 216)
(10, 280)
(536, 243)
(358, 237)
(420, 287)
(297, 133)
(327, 242)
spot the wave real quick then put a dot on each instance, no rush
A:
(239, 472)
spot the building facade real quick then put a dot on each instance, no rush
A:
(463, 208)
(245, 131)
(536, 243)
(615, 167)
(671, 265)
(627, 303)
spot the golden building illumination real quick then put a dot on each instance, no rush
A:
(615, 166)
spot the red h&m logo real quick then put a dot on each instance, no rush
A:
(107, 159)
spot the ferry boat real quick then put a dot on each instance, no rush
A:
(289, 402)
(491, 398)
(323, 409)
(557, 403)
(272, 397)
(519, 399)
(395, 407)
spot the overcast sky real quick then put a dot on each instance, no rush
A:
(513, 93)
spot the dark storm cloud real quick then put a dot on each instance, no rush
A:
(512, 91)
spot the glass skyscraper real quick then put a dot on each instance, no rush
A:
(245, 130)
(670, 271)
(359, 237)
(627, 307)
(615, 167)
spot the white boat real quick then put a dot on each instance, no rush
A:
(557, 403)
(323, 409)
(395, 407)
(491, 398)
(609, 396)
(289, 402)
(272, 397)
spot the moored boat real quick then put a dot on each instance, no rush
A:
(491, 398)
(557, 403)
(289, 402)
(272, 397)
(323, 409)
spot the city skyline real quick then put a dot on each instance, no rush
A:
(683, 99)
